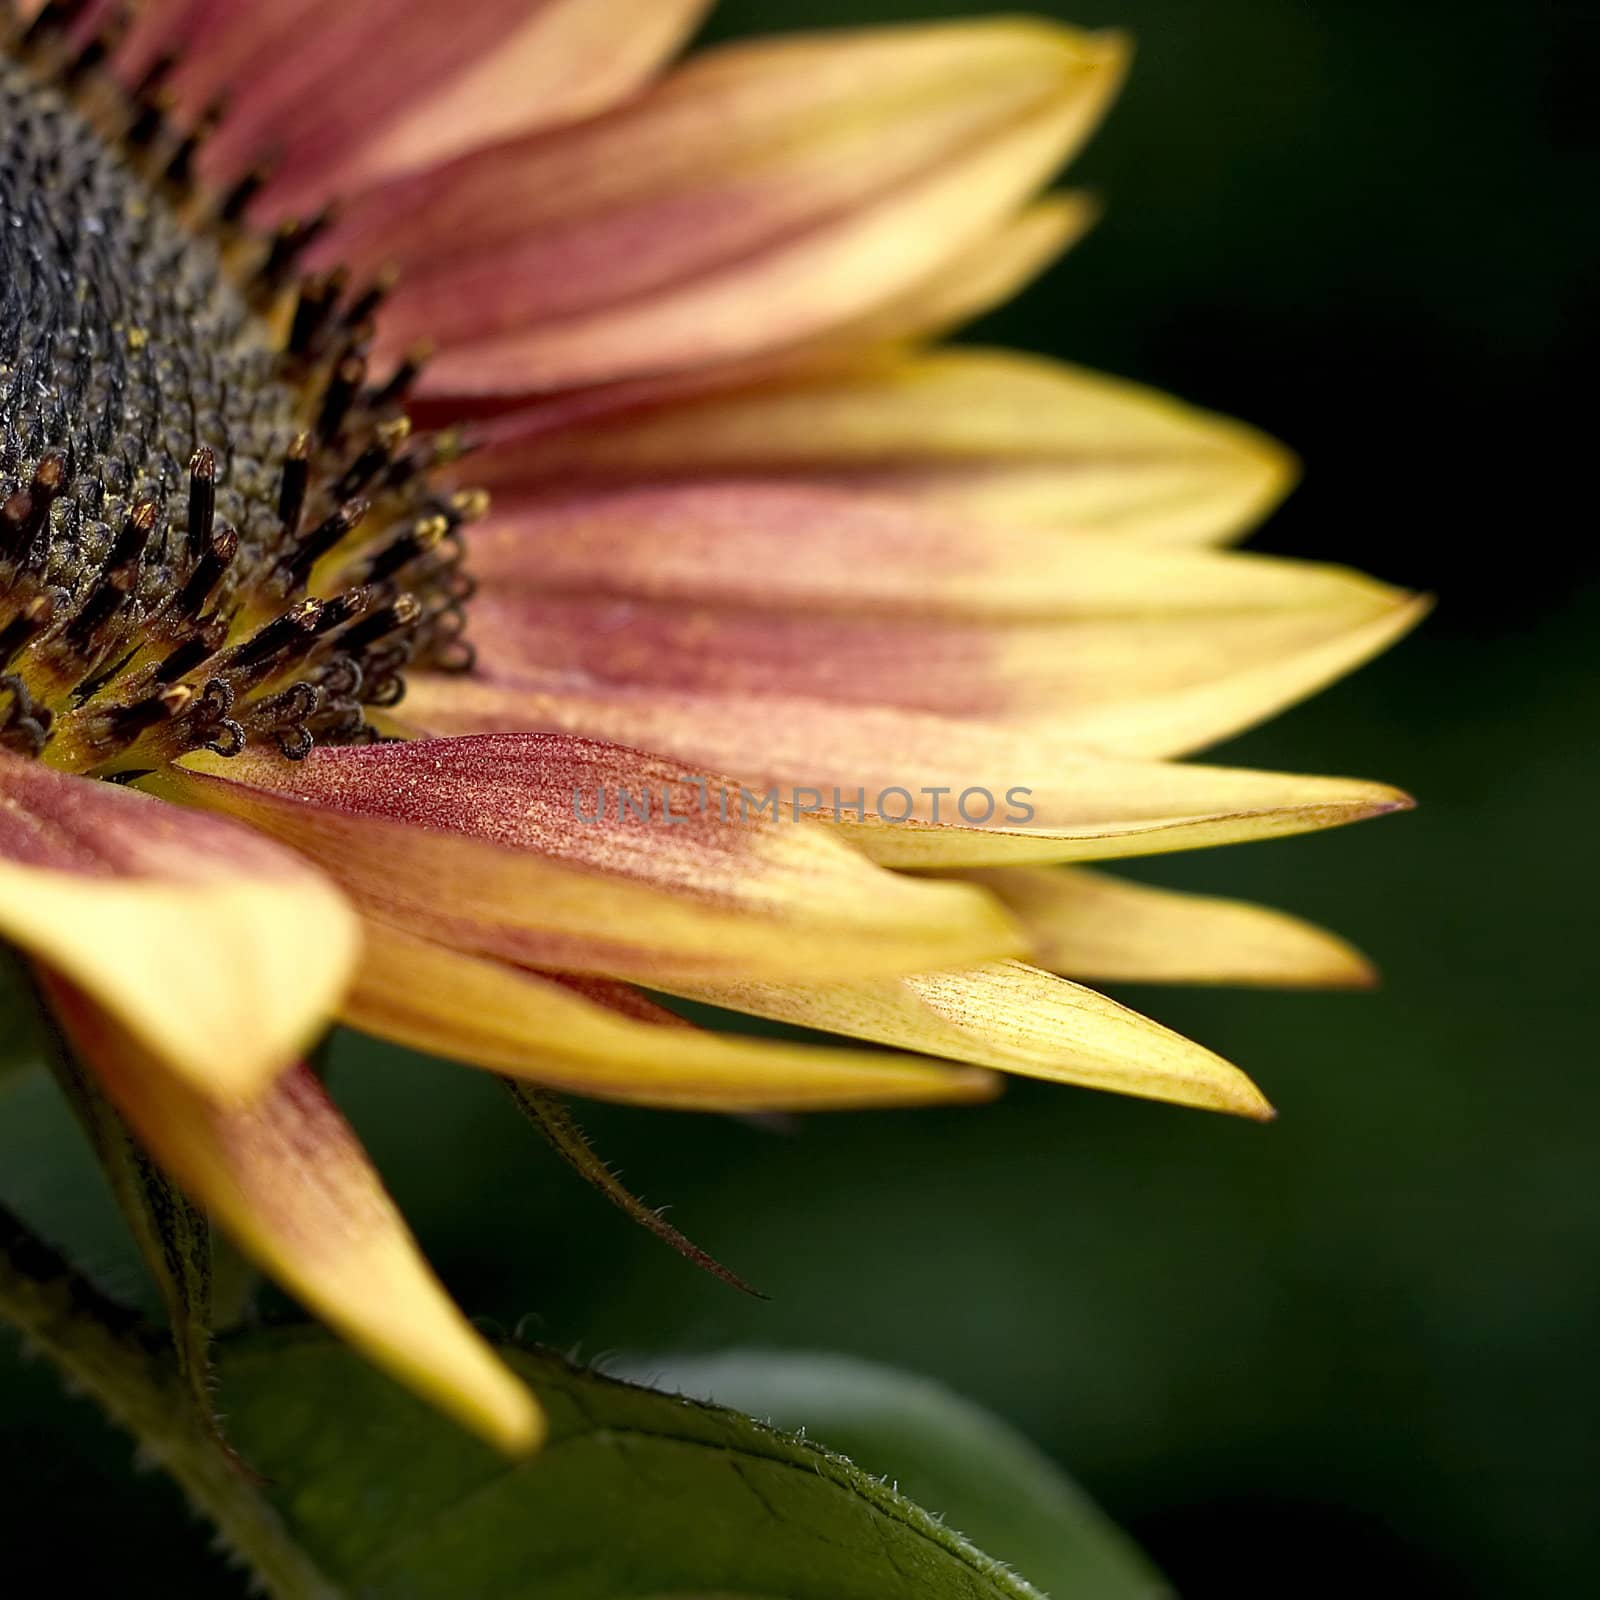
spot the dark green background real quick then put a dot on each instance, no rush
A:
(1357, 1347)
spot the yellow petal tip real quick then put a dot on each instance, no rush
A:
(1341, 965)
(520, 1429)
(1384, 802)
(1231, 1092)
(1112, 45)
(974, 1085)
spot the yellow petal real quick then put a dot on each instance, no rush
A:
(986, 276)
(1088, 924)
(1013, 1018)
(224, 953)
(287, 1179)
(576, 855)
(762, 195)
(530, 1026)
(912, 790)
(1176, 721)
(1096, 809)
(985, 433)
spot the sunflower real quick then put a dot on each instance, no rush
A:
(485, 531)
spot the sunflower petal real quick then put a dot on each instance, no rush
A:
(222, 952)
(606, 1046)
(1180, 719)
(975, 282)
(760, 195)
(555, 63)
(997, 268)
(1013, 1018)
(1088, 924)
(1163, 670)
(524, 848)
(996, 435)
(288, 1180)
(771, 544)
(345, 96)
(912, 790)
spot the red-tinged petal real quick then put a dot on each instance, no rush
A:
(763, 194)
(345, 95)
(798, 290)
(1088, 924)
(989, 434)
(1013, 1018)
(498, 845)
(808, 547)
(912, 790)
(981, 279)
(224, 953)
(571, 59)
(610, 1043)
(1059, 673)
(288, 1180)
(321, 81)
(975, 282)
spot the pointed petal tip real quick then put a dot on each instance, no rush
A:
(973, 1086)
(1235, 1094)
(1111, 48)
(517, 1427)
(1099, 57)
(1339, 966)
(1092, 926)
(1106, 48)
(1384, 801)
(1230, 1091)
(288, 1180)
(1411, 607)
(1280, 467)
(1362, 801)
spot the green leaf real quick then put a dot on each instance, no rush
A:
(637, 1496)
(980, 1475)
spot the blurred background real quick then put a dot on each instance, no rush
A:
(1357, 1347)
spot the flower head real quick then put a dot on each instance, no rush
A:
(482, 528)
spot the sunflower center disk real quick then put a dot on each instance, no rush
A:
(214, 530)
